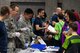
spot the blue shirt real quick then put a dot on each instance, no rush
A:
(33, 19)
(3, 37)
(55, 18)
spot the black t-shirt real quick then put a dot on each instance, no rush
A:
(38, 21)
(3, 37)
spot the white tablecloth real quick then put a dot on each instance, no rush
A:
(49, 49)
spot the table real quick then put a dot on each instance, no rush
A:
(49, 49)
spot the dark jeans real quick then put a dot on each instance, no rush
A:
(53, 42)
(49, 42)
(58, 43)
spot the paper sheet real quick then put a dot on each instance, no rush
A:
(51, 48)
(51, 28)
(41, 41)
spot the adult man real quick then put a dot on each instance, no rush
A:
(25, 26)
(38, 24)
(4, 13)
(54, 18)
(11, 27)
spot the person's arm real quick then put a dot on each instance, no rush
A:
(36, 23)
(65, 44)
(53, 23)
(39, 28)
(9, 27)
(22, 26)
(67, 33)
(54, 19)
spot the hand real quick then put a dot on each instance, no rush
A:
(38, 37)
(67, 33)
(50, 36)
(48, 30)
(16, 34)
(64, 32)
(44, 27)
(64, 51)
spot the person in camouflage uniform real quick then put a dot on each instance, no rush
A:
(11, 27)
(25, 25)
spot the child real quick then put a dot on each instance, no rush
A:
(72, 39)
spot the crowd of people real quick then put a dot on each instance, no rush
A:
(16, 31)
